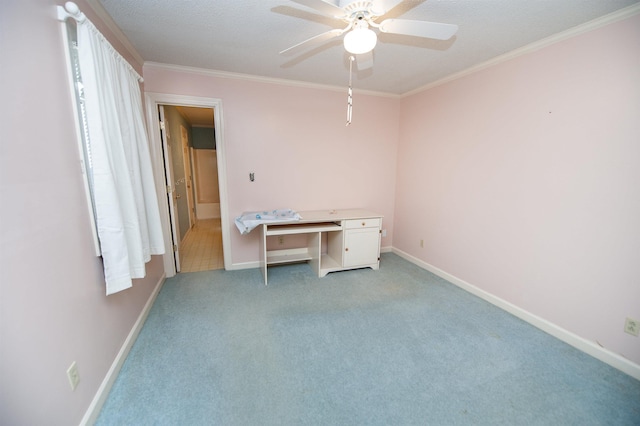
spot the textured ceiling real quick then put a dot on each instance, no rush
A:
(245, 36)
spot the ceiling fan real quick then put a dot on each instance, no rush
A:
(361, 16)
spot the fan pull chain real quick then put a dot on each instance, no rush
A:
(350, 92)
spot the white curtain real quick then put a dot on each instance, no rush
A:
(127, 215)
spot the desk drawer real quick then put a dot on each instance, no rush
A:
(362, 223)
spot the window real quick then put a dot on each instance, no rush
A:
(82, 129)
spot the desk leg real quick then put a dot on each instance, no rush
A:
(263, 251)
(315, 246)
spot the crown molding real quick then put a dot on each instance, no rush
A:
(610, 18)
(99, 10)
(259, 79)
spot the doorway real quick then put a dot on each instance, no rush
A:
(192, 196)
(192, 174)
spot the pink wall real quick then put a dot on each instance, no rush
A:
(523, 180)
(53, 308)
(295, 141)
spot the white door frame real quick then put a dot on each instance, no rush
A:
(152, 100)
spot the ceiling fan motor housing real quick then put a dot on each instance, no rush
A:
(357, 10)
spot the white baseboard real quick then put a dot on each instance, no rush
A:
(99, 399)
(245, 265)
(590, 348)
(251, 265)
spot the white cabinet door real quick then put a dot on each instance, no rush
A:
(361, 247)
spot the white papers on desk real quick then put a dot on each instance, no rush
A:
(249, 220)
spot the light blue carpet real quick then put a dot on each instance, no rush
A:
(398, 346)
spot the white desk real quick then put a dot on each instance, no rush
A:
(352, 241)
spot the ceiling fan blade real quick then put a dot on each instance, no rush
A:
(308, 43)
(323, 7)
(380, 7)
(364, 60)
(425, 29)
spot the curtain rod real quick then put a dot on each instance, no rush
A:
(70, 10)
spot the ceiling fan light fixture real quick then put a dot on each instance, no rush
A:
(360, 40)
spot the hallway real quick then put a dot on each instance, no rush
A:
(201, 249)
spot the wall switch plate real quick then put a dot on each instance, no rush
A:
(73, 376)
(632, 327)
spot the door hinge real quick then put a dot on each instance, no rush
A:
(169, 189)
(175, 248)
(162, 126)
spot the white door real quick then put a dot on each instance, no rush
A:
(171, 194)
(188, 174)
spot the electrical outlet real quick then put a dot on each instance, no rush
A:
(384, 233)
(632, 327)
(421, 243)
(73, 376)
(281, 240)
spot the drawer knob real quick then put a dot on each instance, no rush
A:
(346, 249)
(364, 223)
